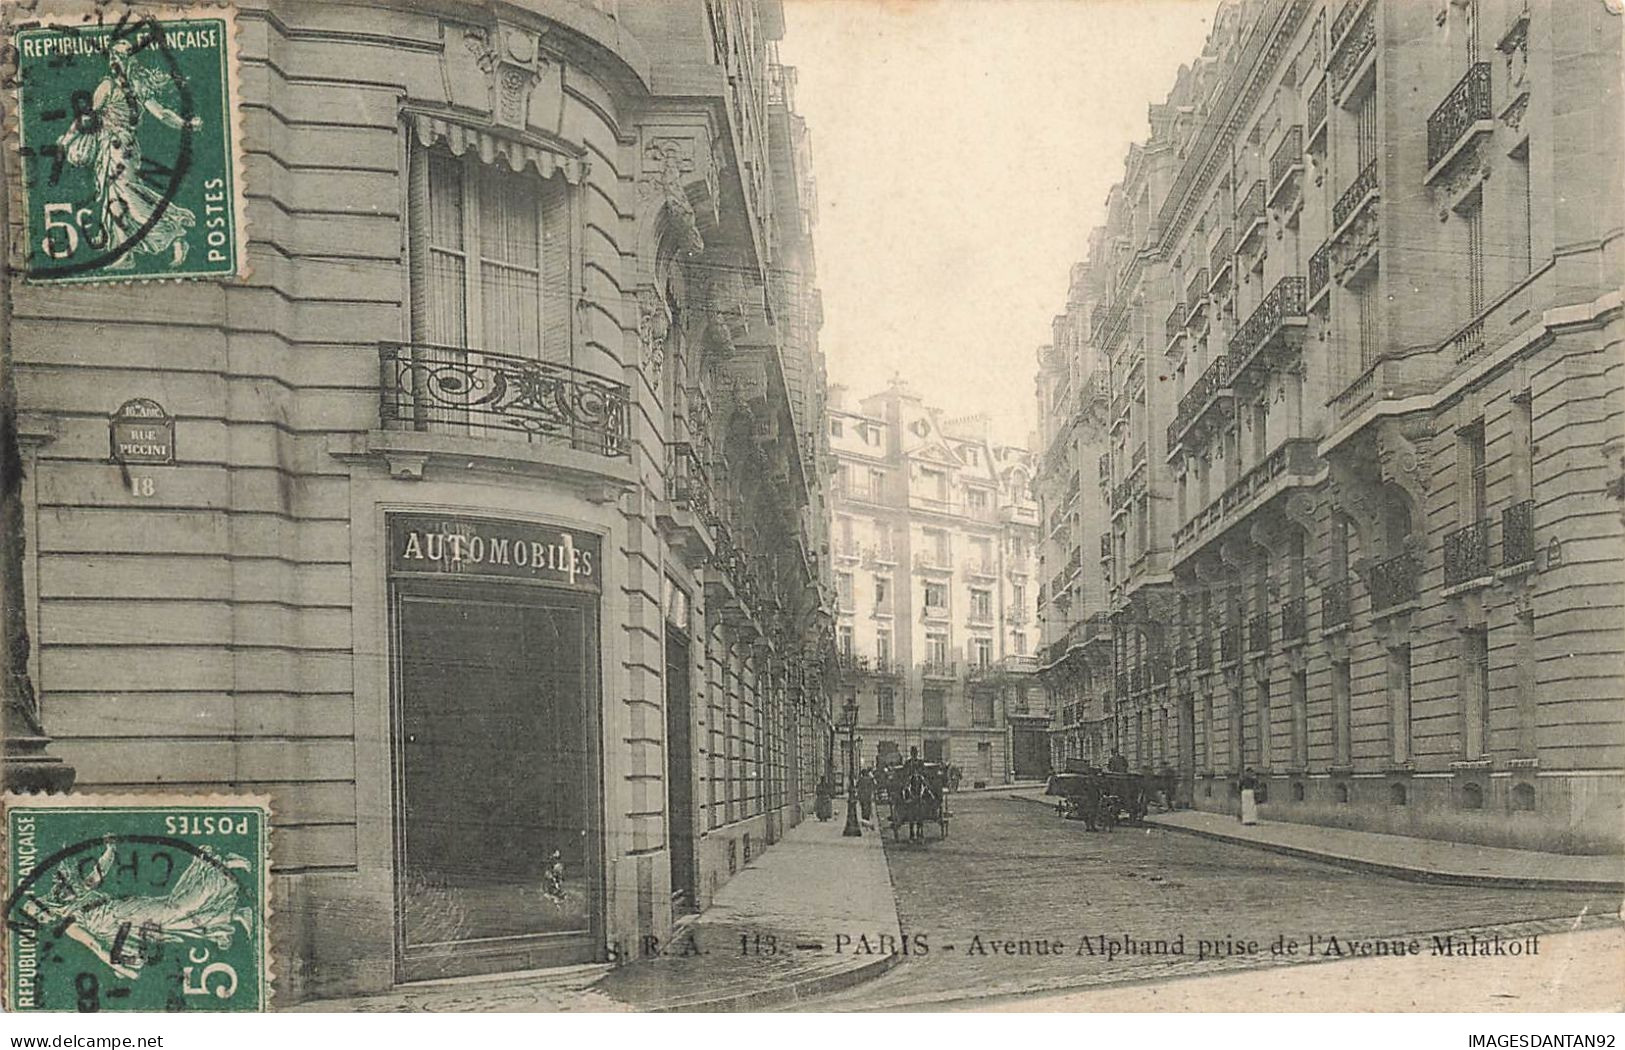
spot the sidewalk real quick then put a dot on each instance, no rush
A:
(767, 941)
(1399, 856)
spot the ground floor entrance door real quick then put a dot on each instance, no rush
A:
(497, 844)
(679, 773)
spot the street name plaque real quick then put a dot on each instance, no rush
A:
(142, 432)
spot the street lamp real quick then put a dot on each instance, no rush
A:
(849, 717)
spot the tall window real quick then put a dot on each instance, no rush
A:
(1262, 692)
(493, 245)
(883, 648)
(886, 705)
(981, 652)
(1018, 597)
(936, 597)
(982, 553)
(1523, 225)
(981, 604)
(1472, 465)
(1399, 700)
(1475, 644)
(1365, 130)
(843, 638)
(1341, 718)
(981, 711)
(936, 707)
(882, 594)
(936, 648)
(843, 589)
(1472, 214)
(1300, 719)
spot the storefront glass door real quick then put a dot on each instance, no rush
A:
(497, 847)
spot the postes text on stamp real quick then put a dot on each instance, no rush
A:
(127, 135)
(150, 904)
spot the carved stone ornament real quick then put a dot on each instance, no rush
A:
(669, 165)
(512, 60)
(1356, 243)
(654, 325)
(1514, 114)
(1403, 455)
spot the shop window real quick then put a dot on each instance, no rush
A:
(935, 703)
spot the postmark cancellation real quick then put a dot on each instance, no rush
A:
(128, 138)
(136, 903)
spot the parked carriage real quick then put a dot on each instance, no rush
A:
(917, 795)
(1100, 799)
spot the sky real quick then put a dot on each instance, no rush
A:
(963, 150)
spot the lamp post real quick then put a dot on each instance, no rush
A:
(849, 716)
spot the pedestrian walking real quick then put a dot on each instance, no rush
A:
(1249, 797)
(866, 795)
(823, 807)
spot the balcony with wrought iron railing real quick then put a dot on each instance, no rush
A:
(1395, 581)
(1465, 113)
(1467, 554)
(1230, 643)
(981, 568)
(939, 669)
(458, 391)
(1294, 618)
(1320, 275)
(1315, 114)
(1196, 292)
(932, 561)
(1219, 261)
(688, 483)
(1213, 384)
(1174, 329)
(1334, 603)
(1518, 534)
(1258, 633)
(1353, 200)
(1274, 328)
(1286, 165)
(1352, 48)
(879, 555)
(1250, 215)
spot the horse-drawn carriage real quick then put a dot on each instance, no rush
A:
(917, 795)
(1100, 799)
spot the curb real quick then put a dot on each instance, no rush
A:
(1395, 871)
(783, 995)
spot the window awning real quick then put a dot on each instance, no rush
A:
(461, 139)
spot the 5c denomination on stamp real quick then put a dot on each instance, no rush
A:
(136, 904)
(128, 138)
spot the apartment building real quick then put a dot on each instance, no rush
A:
(934, 538)
(1372, 249)
(491, 545)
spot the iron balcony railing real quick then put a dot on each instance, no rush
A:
(1294, 619)
(1288, 155)
(1230, 643)
(1316, 115)
(1196, 295)
(1196, 399)
(1518, 533)
(1204, 652)
(453, 389)
(1285, 302)
(1363, 185)
(1250, 212)
(1350, 50)
(1394, 582)
(1258, 633)
(939, 669)
(1334, 603)
(1345, 18)
(1320, 271)
(1218, 259)
(1467, 553)
(1174, 327)
(687, 483)
(1466, 104)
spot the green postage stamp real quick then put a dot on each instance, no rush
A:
(128, 138)
(136, 904)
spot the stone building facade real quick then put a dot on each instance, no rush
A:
(1371, 259)
(495, 537)
(935, 540)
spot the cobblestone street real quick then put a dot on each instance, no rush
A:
(1012, 871)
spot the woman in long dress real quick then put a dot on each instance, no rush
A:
(201, 905)
(107, 140)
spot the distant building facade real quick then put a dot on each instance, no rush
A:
(934, 539)
(1358, 300)
(493, 551)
